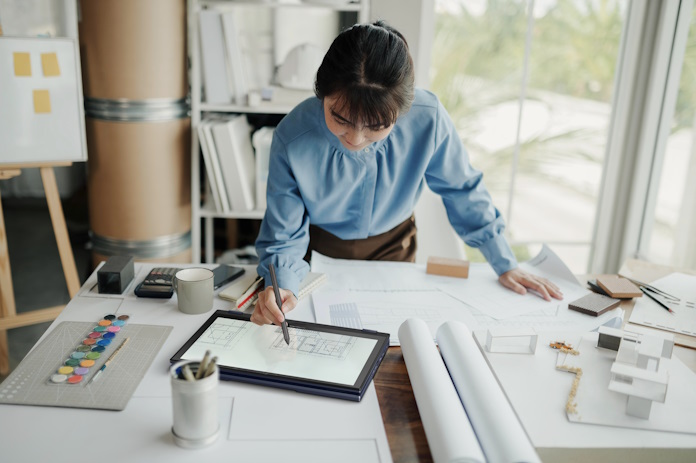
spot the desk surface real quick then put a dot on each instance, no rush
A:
(405, 433)
(402, 422)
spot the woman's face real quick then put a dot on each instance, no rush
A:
(352, 136)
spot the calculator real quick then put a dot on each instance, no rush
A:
(158, 283)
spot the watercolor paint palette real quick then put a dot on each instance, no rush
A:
(76, 368)
(31, 382)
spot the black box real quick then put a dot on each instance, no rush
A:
(115, 275)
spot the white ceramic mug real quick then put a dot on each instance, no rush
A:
(194, 290)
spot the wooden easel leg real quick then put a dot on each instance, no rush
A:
(7, 300)
(60, 230)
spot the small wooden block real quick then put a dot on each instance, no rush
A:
(448, 267)
(618, 287)
(594, 304)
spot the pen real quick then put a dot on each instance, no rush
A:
(108, 361)
(279, 301)
(651, 296)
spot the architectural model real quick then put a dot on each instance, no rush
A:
(639, 370)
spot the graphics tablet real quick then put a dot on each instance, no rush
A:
(325, 360)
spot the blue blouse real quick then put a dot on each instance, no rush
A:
(314, 179)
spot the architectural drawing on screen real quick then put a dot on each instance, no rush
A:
(315, 343)
(224, 335)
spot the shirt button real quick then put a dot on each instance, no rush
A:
(367, 150)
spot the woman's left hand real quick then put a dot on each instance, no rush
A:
(520, 281)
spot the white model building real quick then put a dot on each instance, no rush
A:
(638, 370)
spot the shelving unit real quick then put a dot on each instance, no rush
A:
(282, 102)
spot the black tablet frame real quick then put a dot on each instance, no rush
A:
(353, 392)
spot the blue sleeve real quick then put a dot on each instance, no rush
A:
(284, 234)
(469, 205)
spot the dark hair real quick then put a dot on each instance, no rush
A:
(369, 68)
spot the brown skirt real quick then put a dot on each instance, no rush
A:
(398, 244)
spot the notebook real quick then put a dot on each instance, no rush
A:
(245, 290)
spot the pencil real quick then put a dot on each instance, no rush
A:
(203, 365)
(108, 361)
(188, 374)
(211, 367)
(662, 304)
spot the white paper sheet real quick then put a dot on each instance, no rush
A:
(385, 311)
(556, 317)
(388, 279)
(382, 295)
(447, 427)
(683, 321)
(266, 414)
(360, 275)
(483, 291)
(498, 429)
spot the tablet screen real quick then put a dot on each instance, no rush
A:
(313, 355)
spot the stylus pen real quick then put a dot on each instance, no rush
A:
(279, 301)
(647, 293)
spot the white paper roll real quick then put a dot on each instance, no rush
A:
(499, 431)
(447, 427)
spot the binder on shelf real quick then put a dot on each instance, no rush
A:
(235, 62)
(215, 77)
(261, 140)
(210, 174)
(245, 291)
(236, 158)
(213, 170)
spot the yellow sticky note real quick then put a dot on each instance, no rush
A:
(49, 63)
(42, 101)
(22, 64)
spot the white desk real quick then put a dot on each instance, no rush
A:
(141, 431)
(257, 423)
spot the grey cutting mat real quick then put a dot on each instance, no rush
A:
(29, 383)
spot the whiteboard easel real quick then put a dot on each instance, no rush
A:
(8, 313)
(42, 126)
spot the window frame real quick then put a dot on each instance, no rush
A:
(647, 84)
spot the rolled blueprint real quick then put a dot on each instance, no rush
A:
(447, 427)
(499, 431)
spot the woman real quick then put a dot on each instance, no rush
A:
(348, 167)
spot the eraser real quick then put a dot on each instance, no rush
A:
(618, 287)
(448, 267)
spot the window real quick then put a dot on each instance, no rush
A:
(529, 85)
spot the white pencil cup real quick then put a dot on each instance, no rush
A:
(195, 403)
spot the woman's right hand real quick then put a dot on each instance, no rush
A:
(267, 311)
